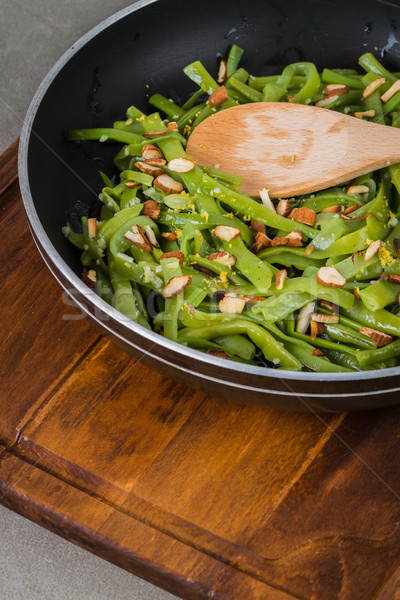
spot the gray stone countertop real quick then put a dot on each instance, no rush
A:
(36, 564)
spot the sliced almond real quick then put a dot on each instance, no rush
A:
(136, 237)
(329, 306)
(347, 217)
(374, 85)
(226, 233)
(251, 298)
(266, 200)
(180, 165)
(323, 318)
(316, 352)
(309, 250)
(394, 278)
(218, 352)
(204, 270)
(280, 279)
(172, 126)
(360, 114)
(151, 236)
(169, 235)
(296, 243)
(151, 209)
(222, 72)
(92, 227)
(335, 89)
(335, 208)
(330, 277)
(279, 241)
(381, 339)
(218, 97)
(167, 184)
(304, 318)
(224, 258)
(149, 169)
(303, 215)
(151, 151)
(174, 254)
(294, 235)
(257, 226)
(89, 277)
(394, 88)
(372, 249)
(357, 189)
(151, 134)
(316, 329)
(283, 208)
(132, 184)
(156, 162)
(327, 100)
(176, 285)
(231, 304)
(351, 209)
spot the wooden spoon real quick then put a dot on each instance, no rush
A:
(291, 149)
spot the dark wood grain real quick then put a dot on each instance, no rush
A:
(203, 497)
(8, 169)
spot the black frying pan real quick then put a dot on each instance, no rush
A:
(142, 50)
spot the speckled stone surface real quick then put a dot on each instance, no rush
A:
(36, 564)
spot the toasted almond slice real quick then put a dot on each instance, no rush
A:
(224, 258)
(151, 209)
(151, 236)
(218, 352)
(89, 277)
(231, 304)
(372, 249)
(356, 293)
(180, 165)
(156, 162)
(151, 151)
(357, 189)
(347, 217)
(226, 233)
(252, 299)
(394, 88)
(335, 208)
(323, 318)
(396, 244)
(92, 227)
(167, 184)
(335, 89)
(222, 71)
(151, 134)
(374, 85)
(360, 114)
(294, 235)
(330, 277)
(381, 339)
(316, 329)
(329, 306)
(309, 250)
(304, 318)
(316, 352)
(258, 227)
(263, 240)
(283, 208)
(176, 285)
(303, 215)
(218, 97)
(150, 169)
(266, 200)
(351, 209)
(132, 184)
(279, 241)
(136, 237)
(169, 235)
(172, 126)
(173, 254)
(327, 100)
(394, 278)
(296, 243)
(280, 279)
(204, 270)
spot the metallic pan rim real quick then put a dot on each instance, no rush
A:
(54, 260)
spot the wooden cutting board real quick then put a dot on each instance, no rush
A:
(202, 497)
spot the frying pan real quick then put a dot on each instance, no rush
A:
(142, 50)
